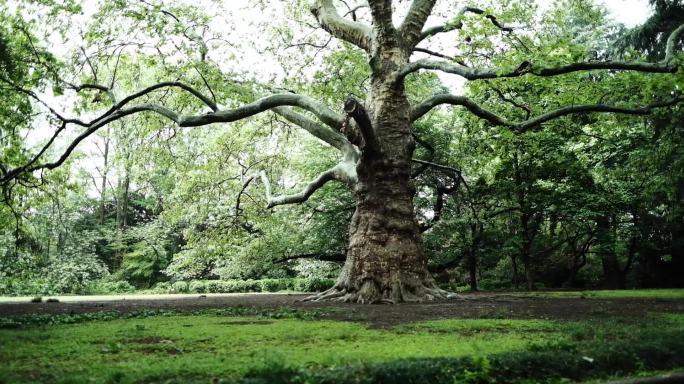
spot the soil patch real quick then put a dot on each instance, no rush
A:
(472, 306)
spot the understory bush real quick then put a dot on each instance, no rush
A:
(242, 286)
(16, 287)
(26, 287)
(104, 287)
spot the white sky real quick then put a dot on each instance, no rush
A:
(629, 12)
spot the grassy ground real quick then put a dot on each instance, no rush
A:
(541, 337)
(611, 294)
(203, 347)
(223, 346)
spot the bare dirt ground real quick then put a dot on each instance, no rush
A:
(482, 305)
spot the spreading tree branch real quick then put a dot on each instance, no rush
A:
(120, 110)
(441, 190)
(668, 65)
(535, 122)
(167, 84)
(451, 171)
(426, 106)
(326, 134)
(528, 111)
(458, 25)
(528, 68)
(415, 21)
(438, 54)
(321, 180)
(350, 31)
(672, 41)
(441, 193)
(381, 11)
(97, 87)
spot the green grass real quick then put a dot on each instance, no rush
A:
(611, 294)
(220, 346)
(205, 346)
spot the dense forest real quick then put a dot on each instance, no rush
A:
(529, 180)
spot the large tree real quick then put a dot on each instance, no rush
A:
(375, 137)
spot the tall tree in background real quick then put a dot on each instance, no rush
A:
(385, 261)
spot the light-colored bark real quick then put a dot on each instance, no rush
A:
(411, 28)
(529, 68)
(344, 172)
(534, 122)
(339, 27)
(383, 29)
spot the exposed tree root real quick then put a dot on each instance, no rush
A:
(371, 292)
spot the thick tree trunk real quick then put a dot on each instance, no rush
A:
(105, 171)
(472, 271)
(515, 274)
(472, 255)
(612, 278)
(529, 276)
(385, 260)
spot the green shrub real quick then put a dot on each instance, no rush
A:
(179, 287)
(241, 286)
(74, 269)
(105, 287)
(273, 285)
(250, 286)
(197, 286)
(291, 284)
(27, 287)
(215, 286)
(163, 287)
(313, 284)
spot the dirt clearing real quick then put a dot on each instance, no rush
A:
(472, 306)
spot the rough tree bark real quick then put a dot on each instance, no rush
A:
(606, 239)
(385, 259)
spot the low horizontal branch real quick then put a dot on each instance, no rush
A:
(344, 171)
(121, 109)
(529, 68)
(426, 106)
(441, 167)
(521, 126)
(325, 114)
(668, 65)
(325, 133)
